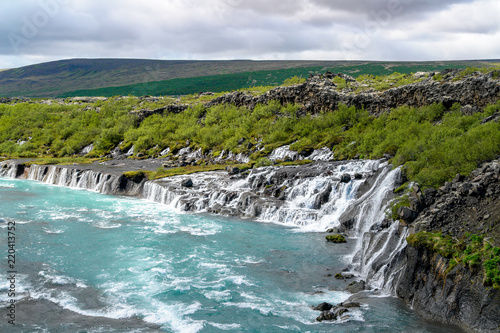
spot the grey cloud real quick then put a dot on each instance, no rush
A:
(368, 6)
(228, 29)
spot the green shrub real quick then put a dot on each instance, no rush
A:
(472, 251)
(262, 162)
(341, 83)
(294, 80)
(437, 77)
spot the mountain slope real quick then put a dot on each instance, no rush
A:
(108, 77)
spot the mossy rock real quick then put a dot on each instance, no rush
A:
(137, 176)
(335, 238)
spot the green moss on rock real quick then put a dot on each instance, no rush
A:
(472, 251)
(335, 238)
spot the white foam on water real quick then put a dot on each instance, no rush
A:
(53, 231)
(250, 260)
(289, 328)
(116, 311)
(225, 327)
(106, 225)
(219, 296)
(175, 316)
(237, 280)
(201, 232)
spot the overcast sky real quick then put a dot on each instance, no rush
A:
(34, 31)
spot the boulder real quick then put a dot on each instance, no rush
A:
(187, 183)
(232, 170)
(345, 178)
(323, 307)
(335, 238)
(356, 286)
(407, 214)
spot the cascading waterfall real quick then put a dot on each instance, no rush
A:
(64, 176)
(310, 198)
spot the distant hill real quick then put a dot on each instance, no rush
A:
(110, 77)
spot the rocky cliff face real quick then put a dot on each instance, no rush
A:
(467, 204)
(455, 297)
(320, 93)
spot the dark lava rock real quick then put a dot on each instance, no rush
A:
(187, 183)
(350, 304)
(323, 307)
(345, 178)
(407, 214)
(306, 152)
(356, 286)
(326, 315)
(322, 197)
(333, 313)
(232, 170)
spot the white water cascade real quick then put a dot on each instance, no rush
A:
(311, 198)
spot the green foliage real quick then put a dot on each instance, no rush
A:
(473, 251)
(437, 77)
(402, 201)
(294, 80)
(341, 83)
(471, 70)
(262, 162)
(137, 176)
(432, 143)
(384, 82)
(189, 169)
(335, 238)
(61, 161)
(431, 152)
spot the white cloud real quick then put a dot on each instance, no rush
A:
(251, 29)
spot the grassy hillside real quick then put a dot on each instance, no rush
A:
(111, 77)
(228, 82)
(432, 142)
(55, 78)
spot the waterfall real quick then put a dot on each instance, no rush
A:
(281, 153)
(8, 169)
(70, 177)
(310, 198)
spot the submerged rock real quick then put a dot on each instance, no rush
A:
(330, 312)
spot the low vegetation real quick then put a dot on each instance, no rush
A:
(189, 169)
(432, 143)
(472, 251)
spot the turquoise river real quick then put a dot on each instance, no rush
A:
(87, 262)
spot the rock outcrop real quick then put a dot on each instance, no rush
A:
(438, 291)
(467, 204)
(320, 93)
(453, 297)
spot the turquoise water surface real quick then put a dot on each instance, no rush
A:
(96, 263)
